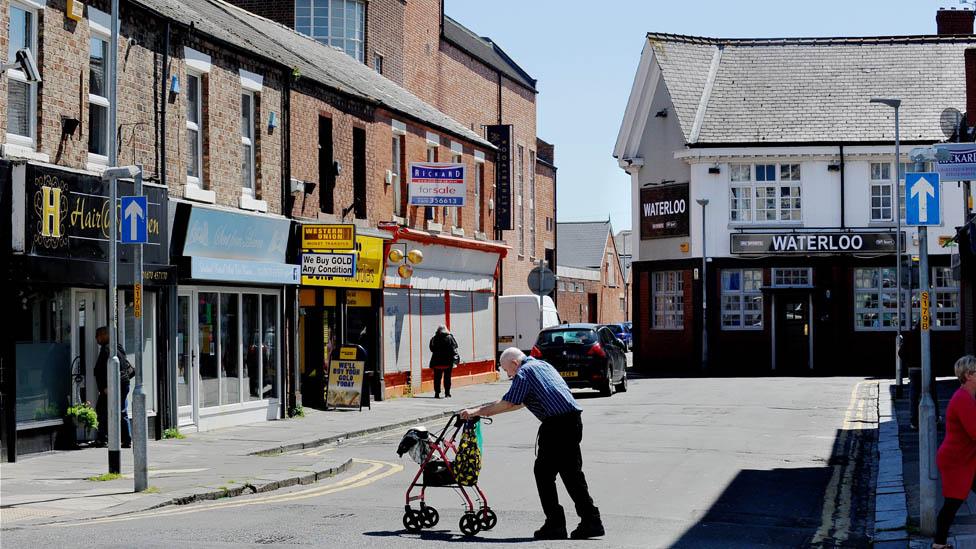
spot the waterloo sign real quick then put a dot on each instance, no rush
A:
(823, 243)
(664, 211)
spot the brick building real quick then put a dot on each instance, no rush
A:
(591, 286)
(232, 135)
(469, 78)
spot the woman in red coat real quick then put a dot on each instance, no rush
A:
(957, 455)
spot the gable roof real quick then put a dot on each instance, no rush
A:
(487, 51)
(318, 62)
(810, 90)
(582, 245)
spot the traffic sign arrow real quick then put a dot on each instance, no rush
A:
(921, 191)
(133, 212)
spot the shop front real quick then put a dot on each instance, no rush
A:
(229, 319)
(57, 298)
(340, 300)
(438, 280)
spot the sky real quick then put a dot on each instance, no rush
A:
(584, 56)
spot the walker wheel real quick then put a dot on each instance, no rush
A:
(487, 518)
(430, 517)
(469, 524)
(413, 520)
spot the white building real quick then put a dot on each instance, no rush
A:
(798, 171)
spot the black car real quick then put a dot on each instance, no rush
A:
(586, 355)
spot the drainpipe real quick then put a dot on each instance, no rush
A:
(172, 405)
(287, 205)
(843, 219)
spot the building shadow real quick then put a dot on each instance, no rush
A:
(828, 506)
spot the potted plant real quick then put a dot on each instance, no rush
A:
(83, 419)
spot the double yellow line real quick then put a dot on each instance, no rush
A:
(376, 470)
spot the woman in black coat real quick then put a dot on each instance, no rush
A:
(443, 358)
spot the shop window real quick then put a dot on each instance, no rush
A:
(944, 306)
(230, 382)
(208, 358)
(251, 344)
(43, 357)
(148, 345)
(742, 300)
(270, 351)
(875, 299)
(21, 92)
(668, 300)
(793, 278)
(761, 193)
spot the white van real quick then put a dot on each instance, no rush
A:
(518, 320)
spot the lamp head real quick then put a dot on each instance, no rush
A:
(890, 101)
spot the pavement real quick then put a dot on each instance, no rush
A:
(897, 494)
(210, 465)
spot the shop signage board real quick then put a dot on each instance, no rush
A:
(956, 161)
(812, 243)
(236, 236)
(211, 268)
(359, 298)
(65, 215)
(332, 237)
(501, 137)
(922, 199)
(437, 184)
(334, 265)
(369, 268)
(664, 211)
(344, 388)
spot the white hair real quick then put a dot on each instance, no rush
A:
(512, 354)
(442, 329)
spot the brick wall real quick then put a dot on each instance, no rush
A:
(385, 35)
(574, 306)
(282, 11)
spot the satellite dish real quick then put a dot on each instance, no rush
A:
(949, 121)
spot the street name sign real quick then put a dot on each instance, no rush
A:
(922, 199)
(956, 161)
(437, 184)
(134, 220)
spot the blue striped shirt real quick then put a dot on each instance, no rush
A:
(543, 391)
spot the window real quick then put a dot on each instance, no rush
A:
(562, 286)
(945, 303)
(881, 196)
(520, 189)
(98, 105)
(338, 23)
(396, 167)
(765, 193)
(742, 301)
(792, 278)
(247, 143)
(532, 243)
(611, 274)
(623, 304)
(479, 193)
(378, 63)
(668, 300)
(875, 299)
(21, 94)
(194, 123)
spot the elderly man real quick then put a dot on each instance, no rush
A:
(536, 385)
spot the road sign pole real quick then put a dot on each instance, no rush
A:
(899, 374)
(140, 444)
(928, 474)
(114, 445)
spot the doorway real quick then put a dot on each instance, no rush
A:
(186, 386)
(592, 311)
(792, 333)
(88, 313)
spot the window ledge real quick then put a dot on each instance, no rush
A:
(754, 225)
(399, 220)
(15, 150)
(434, 227)
(96, 163)
(456, 231)
(478, 235)
(192, 192)
(248, 203)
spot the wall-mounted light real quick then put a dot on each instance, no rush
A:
(663, 113)
(272, 120)
(833, 167)
(69, 125)
(714, 169)
(174, 85)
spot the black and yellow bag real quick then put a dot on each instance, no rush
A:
(467, 464)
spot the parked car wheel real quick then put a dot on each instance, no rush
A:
(622, 386)
(607, 388)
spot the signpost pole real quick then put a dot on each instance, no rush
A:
(898, 297)
(704, 365)
(541, 314)
(140, 444)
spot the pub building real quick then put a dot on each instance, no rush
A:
(227, 329)
(55, 299)
(340, 303)
(766, 225)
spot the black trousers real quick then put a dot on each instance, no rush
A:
(558, 452)
(445, 374)
(946, 515)
(101, 410)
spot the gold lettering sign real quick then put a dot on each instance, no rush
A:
(328, 237)
(51, 212)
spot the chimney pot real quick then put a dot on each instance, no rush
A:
(954, 22)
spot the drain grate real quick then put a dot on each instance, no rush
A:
(271, 540)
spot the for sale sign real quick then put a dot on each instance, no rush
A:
(337, 265)
(437, 184)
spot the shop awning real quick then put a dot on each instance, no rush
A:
(450, 263)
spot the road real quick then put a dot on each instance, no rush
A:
(772, 462)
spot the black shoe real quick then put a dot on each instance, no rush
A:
(592, 528)
(99, 444)
(550, 531)
(437, 395)
(447, 395)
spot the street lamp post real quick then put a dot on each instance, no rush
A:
(704, 202)
(895, 104)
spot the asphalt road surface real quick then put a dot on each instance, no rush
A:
(772, 462)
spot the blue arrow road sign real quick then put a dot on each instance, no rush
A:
(134, 215)
(922, 199)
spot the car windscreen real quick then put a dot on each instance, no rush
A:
(563, 337)
(615, 328)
